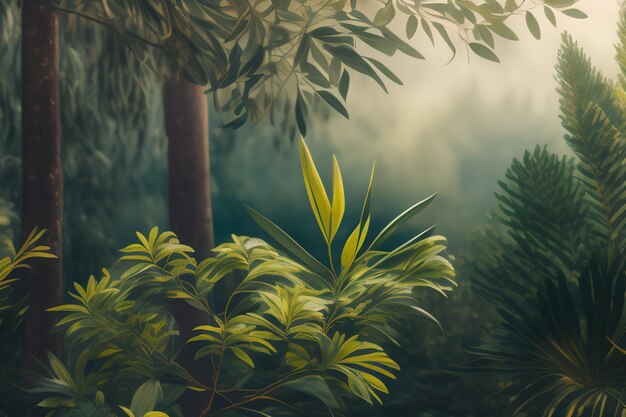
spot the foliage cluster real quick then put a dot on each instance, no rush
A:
(552, 262)
(265, 57)
(283, 330)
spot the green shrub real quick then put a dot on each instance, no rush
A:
(283, 330)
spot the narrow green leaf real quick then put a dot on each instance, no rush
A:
(127, 411)
(575, 13)
(385, 15)
(315, 386)
(549, 15)
(243, 356)
(483, 52)
(357, 237)
(288, 243)
(411, 26)
(146, 397)
(428, 31)
(386, 71)
(533, 25)
(344, 84)
(351, 58)
(333, 102)
(486, 36)
(303, 50)
(300, 110)
(399, 220)
(503, 30)
(444, 34)
(428, 316)
(560, 3)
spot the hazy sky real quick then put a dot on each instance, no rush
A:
(451, 129)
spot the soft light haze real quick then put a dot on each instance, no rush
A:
(451, 129)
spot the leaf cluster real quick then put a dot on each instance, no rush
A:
(271, 58)
(283, 331)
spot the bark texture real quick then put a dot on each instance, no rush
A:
(42, 176)
(190, 214)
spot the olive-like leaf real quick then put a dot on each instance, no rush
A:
(411, 26)
(483, 52)
(533, 25)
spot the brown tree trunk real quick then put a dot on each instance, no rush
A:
(187, 128)
(42, 175)
(190, 215)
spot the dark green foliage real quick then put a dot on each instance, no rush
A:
(555, 348)
(552, 262)
(431, 383)
(540, 221)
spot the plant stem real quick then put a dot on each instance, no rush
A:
(330, 260)
(216, 376)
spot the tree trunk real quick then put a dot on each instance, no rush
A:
(42, 175)
(190, 214)
(187, 128)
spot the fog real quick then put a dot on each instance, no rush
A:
(451, 128)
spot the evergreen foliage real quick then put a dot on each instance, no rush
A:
(552, 262)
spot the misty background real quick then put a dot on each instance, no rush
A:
(451, 128)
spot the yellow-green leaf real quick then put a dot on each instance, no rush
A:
(357, 237)
(127, 411)
(239, 353)
(339, 200)
(354, 244)
(349, 249)
(315, 190)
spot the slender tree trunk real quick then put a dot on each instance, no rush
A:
(190, 214)
(42, 176)
(187, 128)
